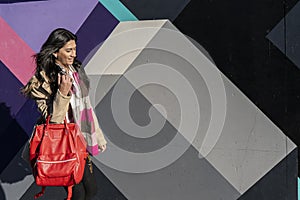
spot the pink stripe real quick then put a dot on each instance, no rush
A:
(76, 77)
(86, 115)
(15, 53)
(93, 150)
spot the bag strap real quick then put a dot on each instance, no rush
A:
(70, 192)
(41, 193)
(48, 122)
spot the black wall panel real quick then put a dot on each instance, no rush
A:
(234, 33)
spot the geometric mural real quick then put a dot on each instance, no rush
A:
(200, 128)
(174, 123)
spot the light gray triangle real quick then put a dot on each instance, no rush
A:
(127, 25)
(121, 48)
(99, 86)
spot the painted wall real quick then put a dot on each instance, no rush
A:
(253, 46)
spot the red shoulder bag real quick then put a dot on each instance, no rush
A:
(57, 155)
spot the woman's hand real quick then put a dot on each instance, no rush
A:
(64, 84)
(102, 147)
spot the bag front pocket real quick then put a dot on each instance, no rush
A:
(56, 165)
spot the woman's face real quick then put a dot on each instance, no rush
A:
(66, 55)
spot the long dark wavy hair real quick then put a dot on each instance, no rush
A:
(45, 60)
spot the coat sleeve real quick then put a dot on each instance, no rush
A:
(60, 107)
(56, 106)
(99, 133)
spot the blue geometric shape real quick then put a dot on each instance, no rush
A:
(118, 10)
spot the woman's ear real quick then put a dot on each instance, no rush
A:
(55, 55)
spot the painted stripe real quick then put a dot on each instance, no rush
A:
(118, 10)
(15, 53)
(298, 188)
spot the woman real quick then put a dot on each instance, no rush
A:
(60, 89)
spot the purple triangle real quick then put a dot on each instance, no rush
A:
(10, 91)
(89, 36)
(33, 21)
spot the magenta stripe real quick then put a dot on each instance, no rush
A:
(15, 53)
(76, 77)
(93, 150)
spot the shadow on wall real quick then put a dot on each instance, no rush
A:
(12, 138)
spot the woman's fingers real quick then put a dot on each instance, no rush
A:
(102, 148)
(64, 79)
(64, 83)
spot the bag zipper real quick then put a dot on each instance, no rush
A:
(59, 161)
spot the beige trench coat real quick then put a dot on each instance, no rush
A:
(57, 106)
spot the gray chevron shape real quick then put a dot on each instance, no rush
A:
(287, 39)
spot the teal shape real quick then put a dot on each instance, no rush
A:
(118, 10)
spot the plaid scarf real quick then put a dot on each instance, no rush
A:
(83, 113)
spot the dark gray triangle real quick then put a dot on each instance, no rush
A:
(138, 108)
(156, 9)
(106, 190)
(286, 35)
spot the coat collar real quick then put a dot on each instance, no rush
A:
(45, 84)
